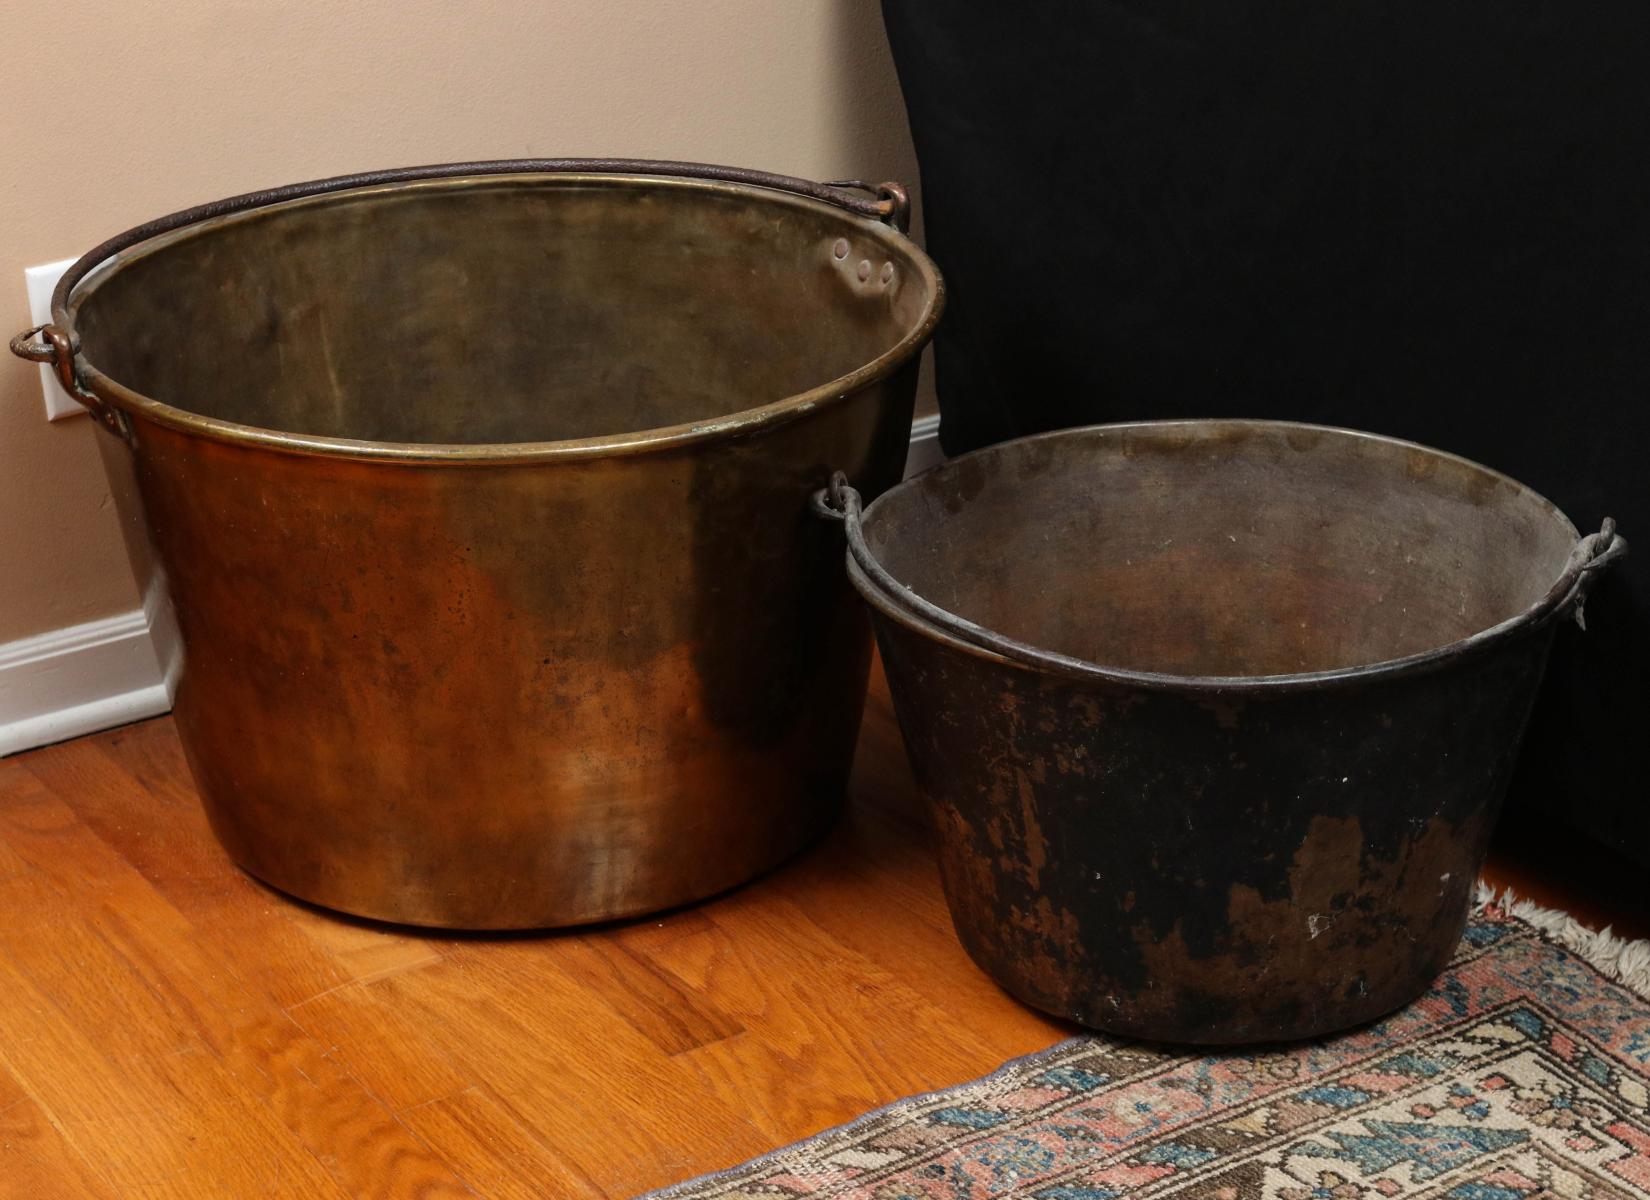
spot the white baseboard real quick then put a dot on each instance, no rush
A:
(925, 445)
(68, 682)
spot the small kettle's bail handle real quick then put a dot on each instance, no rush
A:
(1595, 552)
(838, 500)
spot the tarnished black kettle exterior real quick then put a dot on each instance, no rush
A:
(1214, 718)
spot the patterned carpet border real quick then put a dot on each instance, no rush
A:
(1523, 1074)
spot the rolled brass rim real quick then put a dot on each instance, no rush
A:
(83, 279)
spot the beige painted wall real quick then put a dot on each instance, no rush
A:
(119, 112)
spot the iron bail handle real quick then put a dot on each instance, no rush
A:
(888, 202)
(840, 501)
(24, 345)
(50, 344)
(51, 347)
(894, 200)
(1591, 556)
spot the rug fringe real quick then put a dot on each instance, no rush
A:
(1618, 958)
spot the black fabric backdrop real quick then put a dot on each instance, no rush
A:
(1427, 218)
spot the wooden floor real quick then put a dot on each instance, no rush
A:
(170, 1028)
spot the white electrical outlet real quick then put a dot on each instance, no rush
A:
(41, 282)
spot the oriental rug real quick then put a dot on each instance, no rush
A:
(1523, 1074)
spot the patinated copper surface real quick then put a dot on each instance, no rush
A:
(1230, 771)
(483, 502)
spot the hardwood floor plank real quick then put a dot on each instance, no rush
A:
(387, 1046)
(199, 1008)
(155, 1122)
(35, 1160)
(492, 1150)
(606, 1099)
(812, 1008)
(366, 952)
(651, 1001)
(370, 1152)
(154, 821)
